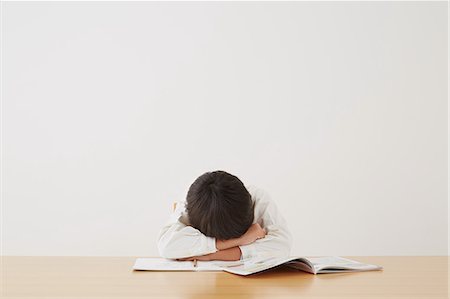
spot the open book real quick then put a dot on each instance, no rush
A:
(314, 265)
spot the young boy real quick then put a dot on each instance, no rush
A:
(223, 220)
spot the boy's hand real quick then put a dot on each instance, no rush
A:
(254, 233)
(230, 254)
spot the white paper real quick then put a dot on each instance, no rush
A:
(161, 264)
(251, 266)
(331, 264)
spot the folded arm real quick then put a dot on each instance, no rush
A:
(178, 240)
(229, 250)
(230, 254)
(278, 241)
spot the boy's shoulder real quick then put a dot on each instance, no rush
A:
(263, 203)
(258, 194)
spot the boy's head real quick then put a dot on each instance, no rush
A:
(219, 205)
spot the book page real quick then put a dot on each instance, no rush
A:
(302, 265)
(252, 266)
(332, 264)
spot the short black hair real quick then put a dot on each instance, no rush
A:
(219, 205)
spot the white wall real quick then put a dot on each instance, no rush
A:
(111, 110)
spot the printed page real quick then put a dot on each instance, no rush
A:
(252, 266)
(333, 264)
(302, 265)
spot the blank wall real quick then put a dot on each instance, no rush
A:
(112, 109)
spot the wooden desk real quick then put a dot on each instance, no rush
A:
(112, 277)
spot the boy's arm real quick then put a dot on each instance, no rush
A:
(254, 233)
(230, 254)
(229, 250)
(278, 241)
(178, 240)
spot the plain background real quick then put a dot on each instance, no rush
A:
(111, 110)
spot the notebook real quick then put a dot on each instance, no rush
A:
(314, 265)
(162, 264)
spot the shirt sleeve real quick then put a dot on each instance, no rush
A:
(278, 241)
(178, 240)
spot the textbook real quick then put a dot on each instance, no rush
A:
(313, 265)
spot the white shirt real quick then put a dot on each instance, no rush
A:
(178, 240)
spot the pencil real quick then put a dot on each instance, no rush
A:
(195, 263)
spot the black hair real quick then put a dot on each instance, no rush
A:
(219, 205)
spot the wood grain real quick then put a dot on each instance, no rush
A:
(112, 277)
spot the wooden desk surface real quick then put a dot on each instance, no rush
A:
(107, 277)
